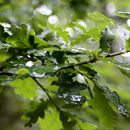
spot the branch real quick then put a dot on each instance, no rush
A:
(80, 63)
(116, 54)
(6, 73)
(45, 90)
(92, 60)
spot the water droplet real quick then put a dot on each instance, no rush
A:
(44, 10)
(73, 99)
(122, 110)
(29, 64)
(53, 19)
(37, 75)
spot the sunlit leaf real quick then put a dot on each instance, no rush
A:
(101, 20)
(4, 56)
(60, 32)
(25, 87)
(22, 72)
(51, 120)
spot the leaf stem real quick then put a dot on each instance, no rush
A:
(45, 90)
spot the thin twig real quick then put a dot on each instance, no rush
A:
(116, 54)
(80, 63)
(45, 90)
(91, 60)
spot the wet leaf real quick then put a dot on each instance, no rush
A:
(40, 71)
(69, 90)
(115, 99)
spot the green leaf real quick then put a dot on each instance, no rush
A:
(85, 125)
(60, 32)
(80, 38)
(22, 71)
(66, 122)
(25, 87)
(101, 105)
(4, 56)
(106, 39)
(88, 70)
(40, 71)
(81, 27)
(127, 44)
(37, 113)
(40, 42)
(115, 99)
(69, 90)
(59, 55)
(51, 120)
(101, 20)
(125, 70)
(123, 14)
(20, 37)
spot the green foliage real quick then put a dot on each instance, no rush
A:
(60, 32)
(47, 61)
(86, 126)
(103, 108)
(51, 120)
(22, 37)
(38, 112)
(106, 39)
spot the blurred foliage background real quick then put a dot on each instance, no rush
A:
(36, 13)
